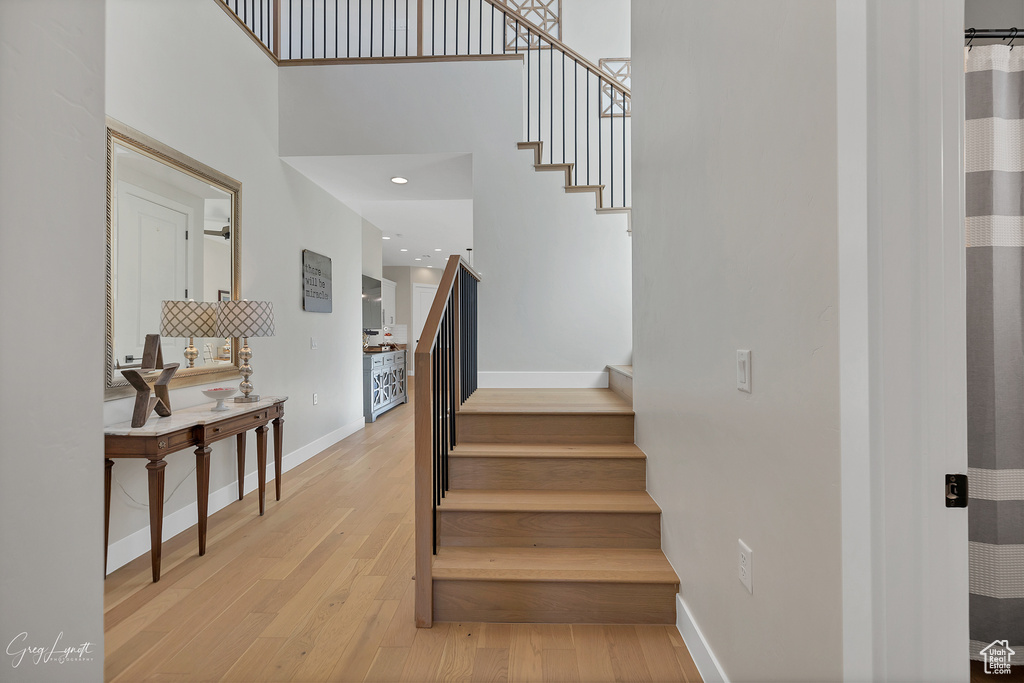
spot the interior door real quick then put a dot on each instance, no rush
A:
(422, 298)
(153, 256)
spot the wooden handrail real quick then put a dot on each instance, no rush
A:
(448, 292)
(593, 68)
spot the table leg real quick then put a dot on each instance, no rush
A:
(106, 511)
(240, 448)
(278, 442)
(203, 492)
(156, 513)
(261, 463)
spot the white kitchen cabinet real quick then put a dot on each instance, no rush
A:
(387, 303)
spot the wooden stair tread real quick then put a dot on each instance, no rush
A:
(626, 370)
(495, 500)
(542, 450)
(546, 401)
(584, 188)
(620, 565)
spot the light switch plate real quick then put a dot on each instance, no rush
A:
(743, 370)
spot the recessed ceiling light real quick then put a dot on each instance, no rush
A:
(430, 266)
(399, 180)
(418, 258)
(385, 237)
(437, 250)
(405, 250)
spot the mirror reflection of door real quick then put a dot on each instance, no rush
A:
(152, 258)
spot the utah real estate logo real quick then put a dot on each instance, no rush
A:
(997, 657)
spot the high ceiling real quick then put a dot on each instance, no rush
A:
(429, 217)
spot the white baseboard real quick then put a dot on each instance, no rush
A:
(543, 380)
(707, 664)
(135, 545)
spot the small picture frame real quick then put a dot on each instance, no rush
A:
(223, 295)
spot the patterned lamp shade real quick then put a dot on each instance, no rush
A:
(245, 319)
(188, 319)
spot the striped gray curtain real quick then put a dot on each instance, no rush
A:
(994, 157)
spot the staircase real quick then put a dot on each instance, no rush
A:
(547, 518)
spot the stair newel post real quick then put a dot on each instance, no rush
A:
(424, 495)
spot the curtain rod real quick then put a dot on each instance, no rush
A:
(1001, 33)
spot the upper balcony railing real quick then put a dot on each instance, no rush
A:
(579, 110)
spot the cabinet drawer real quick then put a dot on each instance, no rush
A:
(389, 359)
(219, 430)
(377, 361)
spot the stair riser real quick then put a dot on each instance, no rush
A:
(554, 602)
(549, 529)
(558, 429)
(551, 474)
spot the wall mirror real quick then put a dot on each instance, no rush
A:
(173, 233)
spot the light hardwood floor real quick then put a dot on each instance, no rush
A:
(321, 588)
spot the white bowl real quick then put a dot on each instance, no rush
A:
(219, 394)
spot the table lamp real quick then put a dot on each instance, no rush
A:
(188, 319)
(245, 319)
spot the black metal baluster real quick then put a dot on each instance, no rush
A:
(600, 82)
(492, 28)
(394, 38)
(383, 28)
(371, 27)
(290, 33)
(337, 28)
(587, 100)
(407, 31)
(540, 76)
(528, 70)
(456, 26)
(302, 28)
(623, 150)
(551, 101)
(563, 107)
(245, 12)
(452, 364)
(432, 30)
(444, 404)
(348, 28)
(444, 28)
(611, 146)
(575, 119)
(359, 29)
(480, 27)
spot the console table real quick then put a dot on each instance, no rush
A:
(197, 428)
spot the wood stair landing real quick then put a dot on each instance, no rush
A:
(548, 518)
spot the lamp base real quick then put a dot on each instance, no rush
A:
(251, 398)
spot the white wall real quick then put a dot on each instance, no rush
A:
(597, 29)
(372, 247)
(551, 267)
(735, 247)
(52, 211)
(282, 214)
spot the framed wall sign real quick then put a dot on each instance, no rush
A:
(316, 282)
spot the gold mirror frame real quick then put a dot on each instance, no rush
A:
(126, 136)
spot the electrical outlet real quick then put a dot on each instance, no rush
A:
(746, 567)
(314, 399)
(743, 370)
(312, 343)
